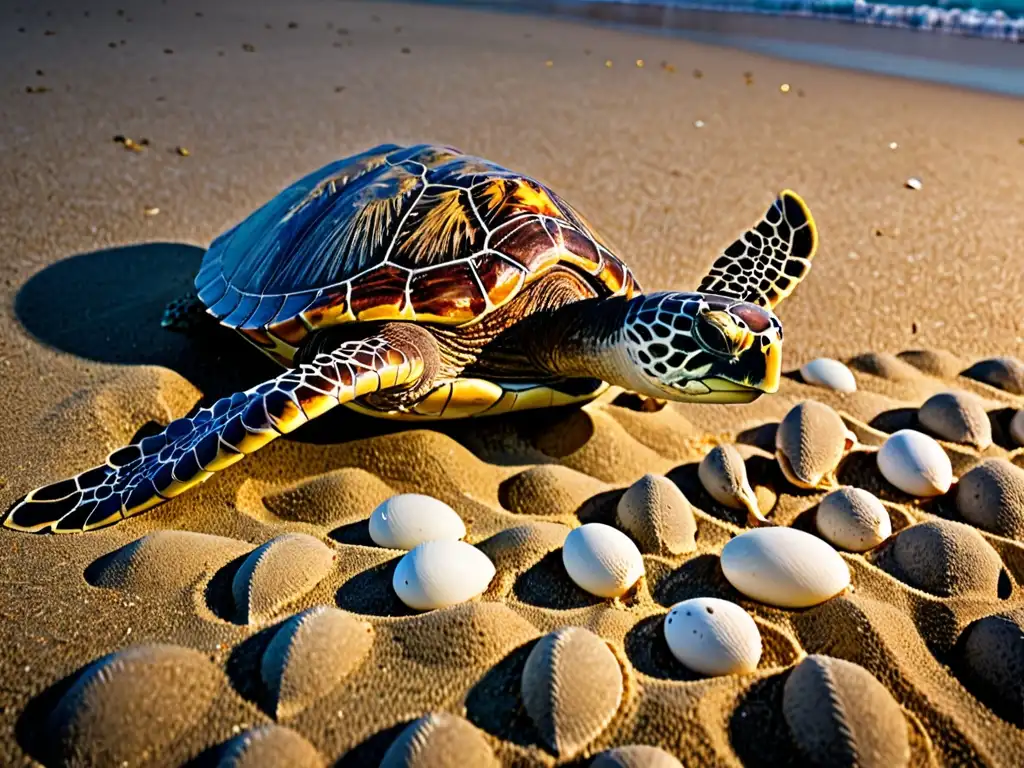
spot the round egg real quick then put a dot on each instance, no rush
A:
(409, 519)
(830, 374)
(602, 560)
(915, 463)
(784, 567)
(713, 637)
(853, 519)
(438, 574)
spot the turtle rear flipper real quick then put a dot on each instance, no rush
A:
(189, 450)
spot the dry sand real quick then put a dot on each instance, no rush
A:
(85, 365)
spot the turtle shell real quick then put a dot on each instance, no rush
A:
(422, 233)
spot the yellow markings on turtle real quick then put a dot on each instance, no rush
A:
(224, 459)
(388, 312)
(149, 503)
(534, 198)
(434, 403)
(277, 349)
(470, 397)
(291, 331)
(494, 194)
(178, 487)
(253, 441)
(442, 229)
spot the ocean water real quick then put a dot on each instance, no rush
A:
(980, 46)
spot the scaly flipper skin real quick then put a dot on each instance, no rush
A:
(768, 261)
(143, 475)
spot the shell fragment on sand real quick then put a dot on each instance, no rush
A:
(440, 740)
(723, 473)
(915, 463)
(658, 516)
(830, 374)
(840, 715)
(277, 573)
(602, 560)
(438, 574)
(407, 520)
(811, 441)
(269, 746)
(712, 636)
(310, 654)
(571, 688)
(853, 519)
(959, 417)
(784, 567)
(635, 756)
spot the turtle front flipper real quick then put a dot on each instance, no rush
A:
(767, 261)
(145, 474)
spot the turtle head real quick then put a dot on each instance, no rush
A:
(694, 347)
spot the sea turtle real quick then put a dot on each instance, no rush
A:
(423, 283)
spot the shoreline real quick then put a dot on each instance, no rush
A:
(840, 42)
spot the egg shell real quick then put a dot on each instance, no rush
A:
(713, 637)
(602, 560)
(723, 473)
(784, 567)
(853, 519)
(438, 574)
(409, 519)
(809, 444)
(829, 373)
(915, 463)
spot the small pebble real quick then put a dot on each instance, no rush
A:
(784, 87)
(150, 211)
(893, 145)
(698, 123)
(182, 151)
(913, 183)
(608, 63)
(640, 63)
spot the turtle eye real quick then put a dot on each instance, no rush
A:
(719, 333)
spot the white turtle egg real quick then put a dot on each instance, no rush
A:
(409, 519)
(602, 560)
(1017, 427)
(915, 464)
(830, 374)
(713, 637)
(784, 567)
(438, 574)
(853, 519)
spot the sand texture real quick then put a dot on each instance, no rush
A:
(252, 620)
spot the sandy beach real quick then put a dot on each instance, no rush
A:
(671, 149)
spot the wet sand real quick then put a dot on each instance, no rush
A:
(258, 102)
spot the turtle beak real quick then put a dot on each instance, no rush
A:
(772, 368)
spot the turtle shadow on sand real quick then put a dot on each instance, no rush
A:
(106, 306)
